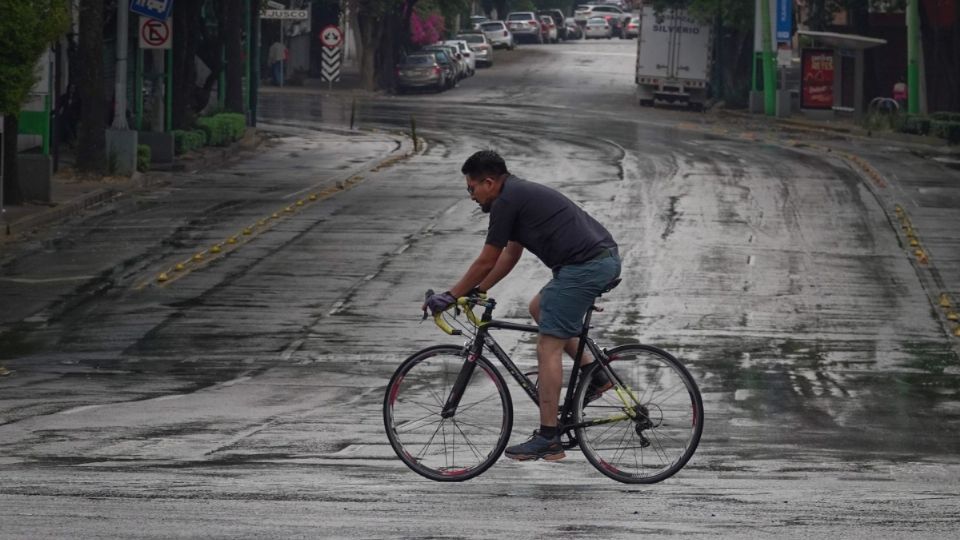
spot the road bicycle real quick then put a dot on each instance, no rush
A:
(448, 412)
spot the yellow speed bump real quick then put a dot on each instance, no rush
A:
(944, 300)
(248, 231)
(198, 257)
(952, 316)
(914, 242)
(162, 277)
(300, 202)
(898, 209)
(956, 331)
(215, 249)
(232, 240)
(313, 196)
(179, 267)
(921, 256)
(275, 215)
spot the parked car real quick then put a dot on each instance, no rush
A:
(614, 15)
(525, 25)
(573, 29)
(477, 20)
(459, 64)
(632, 29)
(447, 62)
(558, 18)
(481, 46)
(499, 35)
(548, 29)
(421, 70)
(467, 53)
(597, 28)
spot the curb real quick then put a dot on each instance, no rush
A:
(930, 143)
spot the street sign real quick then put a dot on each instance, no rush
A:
(155, 9)
(155, 34)
(784, 20)
(331, 36)
(286, 14)
(331, 64)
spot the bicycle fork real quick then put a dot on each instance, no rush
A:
(456, 393)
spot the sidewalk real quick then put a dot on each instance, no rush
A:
(70, 195)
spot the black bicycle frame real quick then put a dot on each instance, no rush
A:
(483, 339)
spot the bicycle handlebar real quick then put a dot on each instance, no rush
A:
(465, 303)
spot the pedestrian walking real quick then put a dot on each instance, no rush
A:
(276, 57)
(900, 93)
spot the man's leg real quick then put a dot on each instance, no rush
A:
(570, 347)
(550, 377)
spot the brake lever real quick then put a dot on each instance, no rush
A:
(428, 294)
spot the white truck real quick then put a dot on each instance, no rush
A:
(674, 58)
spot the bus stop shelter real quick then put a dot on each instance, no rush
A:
(831, 77)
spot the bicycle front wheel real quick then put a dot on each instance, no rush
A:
(463, 444)
(647, 430)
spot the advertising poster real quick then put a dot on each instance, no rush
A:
(817, 79)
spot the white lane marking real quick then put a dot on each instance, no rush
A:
(80, 409)
(35, 281)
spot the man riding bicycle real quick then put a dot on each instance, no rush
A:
(577, 248)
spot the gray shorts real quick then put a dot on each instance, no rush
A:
(566, 298)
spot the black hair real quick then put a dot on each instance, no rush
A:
(484, 163)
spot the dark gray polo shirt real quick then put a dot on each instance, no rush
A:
(546, 223)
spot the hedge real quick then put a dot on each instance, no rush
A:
(945, 116)
(185, 141)
(946, 130)
(143, 158)
(916, 124)
(224, 128)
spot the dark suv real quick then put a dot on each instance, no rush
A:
(558, 18)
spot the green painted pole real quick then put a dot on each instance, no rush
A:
(249, 46)
(168, 72)
(769, 65)
(913, 56)
(138, 91)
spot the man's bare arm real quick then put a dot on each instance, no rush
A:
(505, 263)
(480, 268)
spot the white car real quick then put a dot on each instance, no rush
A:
(597, 28)
(467, 53)
(481, 47)
(525, 24)
(549, 29)
(615, 17)
(498, 34)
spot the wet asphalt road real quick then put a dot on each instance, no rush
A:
(242, 397)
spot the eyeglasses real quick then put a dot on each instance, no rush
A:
(470, 188)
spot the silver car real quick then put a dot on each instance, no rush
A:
(498, 34)
(597, 27)
(526, 25)
(420, 71)
(481, 47)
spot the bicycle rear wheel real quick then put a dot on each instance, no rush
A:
(449, 449)
(654, 437)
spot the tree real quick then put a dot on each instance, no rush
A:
(91, 137)
(27, 27)
(231, 27)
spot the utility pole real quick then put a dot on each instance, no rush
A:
(913, 56)
(769, 73)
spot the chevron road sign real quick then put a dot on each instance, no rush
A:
(331, 64)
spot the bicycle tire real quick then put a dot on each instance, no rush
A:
(447, 449)
(666, 429)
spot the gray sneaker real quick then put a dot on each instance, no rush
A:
(537, 447)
